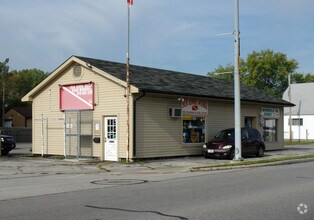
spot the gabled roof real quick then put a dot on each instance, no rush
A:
(302, 97)
(25, 111)
(171, 82)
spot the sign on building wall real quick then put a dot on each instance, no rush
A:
(270, 113)
(77, 96)
(195, 107)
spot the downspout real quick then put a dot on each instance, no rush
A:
(134, 122)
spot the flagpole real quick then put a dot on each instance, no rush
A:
(128, 89)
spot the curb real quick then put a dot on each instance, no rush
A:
(287, 162)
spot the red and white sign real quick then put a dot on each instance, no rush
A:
(77, 96)
(194, 107)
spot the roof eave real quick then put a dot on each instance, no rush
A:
(30, 95)
(216, 97)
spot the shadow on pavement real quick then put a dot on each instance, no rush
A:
(21, 149)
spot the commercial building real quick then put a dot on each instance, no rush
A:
(80, 110)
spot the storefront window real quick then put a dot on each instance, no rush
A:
(193, 129)
(270, 130)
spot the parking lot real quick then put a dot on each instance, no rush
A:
(20, 162)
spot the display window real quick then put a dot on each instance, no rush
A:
(193, 129)
(270, 130)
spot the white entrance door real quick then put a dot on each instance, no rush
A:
(111, 147)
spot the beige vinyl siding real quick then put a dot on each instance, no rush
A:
(157, 134)
(49, 133)
(109, 101)
(220, 116)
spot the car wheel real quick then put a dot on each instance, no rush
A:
(5, 152)
(206, 156)
(260, 152)
(231, 156)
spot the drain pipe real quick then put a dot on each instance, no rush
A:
(134, 122)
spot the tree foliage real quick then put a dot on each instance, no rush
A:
(302, 78)
(18, 84)
(266, 70)
(222, 72)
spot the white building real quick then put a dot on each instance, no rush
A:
(302, 114)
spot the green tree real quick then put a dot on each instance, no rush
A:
(222, 72)
(301, 78)
(19, 83)
(268, 71)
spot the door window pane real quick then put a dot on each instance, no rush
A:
(111, 129)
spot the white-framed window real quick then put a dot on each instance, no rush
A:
(296, 121)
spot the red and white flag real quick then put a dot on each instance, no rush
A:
(130, 2)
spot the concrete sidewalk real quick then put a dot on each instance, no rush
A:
(19, 163)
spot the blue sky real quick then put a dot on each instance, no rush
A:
(181, 35)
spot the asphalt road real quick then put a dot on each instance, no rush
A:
(257, 193)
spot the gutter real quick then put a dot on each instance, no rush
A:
(134, 122)
(283, 104)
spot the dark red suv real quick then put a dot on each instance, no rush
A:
(222, 145)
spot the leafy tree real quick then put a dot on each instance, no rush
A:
(223, 72)
(19, 83)
(267, 70)
(301, 78)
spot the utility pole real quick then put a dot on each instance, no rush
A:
(237, 96)
(3, 97)
(290, 120)
(130, 2)
(3, 88)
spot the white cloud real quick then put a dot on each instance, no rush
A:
(174, 34)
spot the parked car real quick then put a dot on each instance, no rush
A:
(222, 145)
(7, 144)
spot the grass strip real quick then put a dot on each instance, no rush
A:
(262, 161)
(298, 142)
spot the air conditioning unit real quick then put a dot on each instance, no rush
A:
(175, 112)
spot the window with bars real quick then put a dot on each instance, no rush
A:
(296, 121)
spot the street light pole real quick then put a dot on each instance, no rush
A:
(290, 120)
(6, 61)
(237, 99)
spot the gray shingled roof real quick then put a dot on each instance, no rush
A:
(171, 82)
